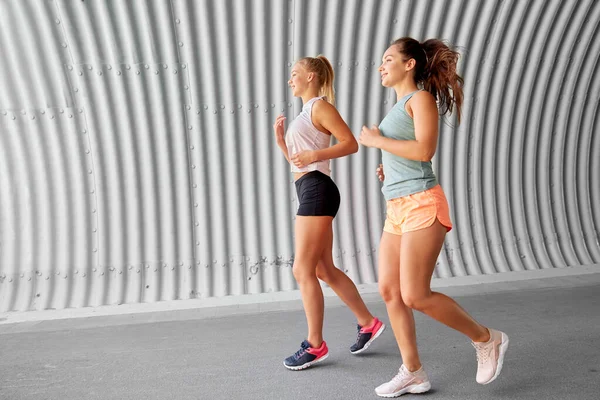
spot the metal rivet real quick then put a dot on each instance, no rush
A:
(222, 106)
(192, 147)
(89, 67)
(188, 107)
(195, 204)
(183, 66)
(186, 87)
(57, 21)
(177, 20)
(165, 66)
(70, 68)
(195, 186)
(87, 151)
(137, 72)
(146, 66)
(156, 72)
(290, 20)
(190, 127)
(290, 43)
(64, 45)
(174, 71)
(197, 224)
(80, 73)
(193, 166)
(128, 66)
(80, 110)
(180, 44)
(109, 67)
(76, 90)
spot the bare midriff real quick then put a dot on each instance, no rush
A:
(298, 175)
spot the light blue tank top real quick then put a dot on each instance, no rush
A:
(403, 176)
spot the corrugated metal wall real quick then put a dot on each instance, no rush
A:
(137, 160)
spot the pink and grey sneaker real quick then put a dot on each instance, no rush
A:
(405, 382)
(306, 356)
(366, 336)
(490, 356)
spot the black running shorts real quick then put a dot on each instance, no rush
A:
(317, 194)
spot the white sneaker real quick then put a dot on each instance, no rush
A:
(405, 382)
(490, 356)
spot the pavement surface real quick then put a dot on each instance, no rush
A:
(554, 353)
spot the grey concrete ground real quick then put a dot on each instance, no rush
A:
(553, 324)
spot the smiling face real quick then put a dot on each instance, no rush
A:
(394, 67)
(299, 79)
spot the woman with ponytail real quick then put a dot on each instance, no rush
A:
(307, 148)
(426, 83)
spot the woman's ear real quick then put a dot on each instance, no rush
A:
(410, 64)
(310, 76)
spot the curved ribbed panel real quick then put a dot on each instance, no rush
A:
(137, 159)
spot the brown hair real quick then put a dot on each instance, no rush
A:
(435, 69)
(321, 66)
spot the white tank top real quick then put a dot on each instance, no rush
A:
(303, 135)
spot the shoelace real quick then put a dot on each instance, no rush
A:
(482, 353)
(358, 328)
(400, 376)
(303, 348)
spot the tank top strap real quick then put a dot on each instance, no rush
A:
(406, 98)
(309, 104)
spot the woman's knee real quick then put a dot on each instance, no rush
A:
(324, 273)
(390, 293)
(415, 299)
(303, 272)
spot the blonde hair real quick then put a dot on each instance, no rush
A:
(321, 66)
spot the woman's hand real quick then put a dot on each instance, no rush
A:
(304, 158)
(369, 136)
(380, 174)
(279, 129)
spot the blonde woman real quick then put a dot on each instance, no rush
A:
(306, 146)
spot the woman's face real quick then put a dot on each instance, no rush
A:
(393, 67)
(299, 79)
